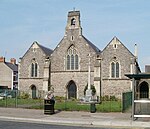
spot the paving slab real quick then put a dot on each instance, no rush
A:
(73, 118)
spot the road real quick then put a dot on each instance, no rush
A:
(24, 125)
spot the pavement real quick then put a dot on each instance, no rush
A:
(112, 120)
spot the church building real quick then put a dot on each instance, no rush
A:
(66, 68)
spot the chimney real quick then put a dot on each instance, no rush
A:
(136, 51)
(2, 59)
(13, 60)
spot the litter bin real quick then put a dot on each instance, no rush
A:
(49, 106)
(92, 108)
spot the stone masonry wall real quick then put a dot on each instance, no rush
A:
(60, 77)
(60, 81)
(26, 80)
(122, 55)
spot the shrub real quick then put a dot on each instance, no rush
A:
(109, 98)
(105, 98)
(59, 98)
(24, 95)
(92, 88)
(73, 99)
(113, 98)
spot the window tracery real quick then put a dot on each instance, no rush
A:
(115, 69)
(34, 68)
(72, 59)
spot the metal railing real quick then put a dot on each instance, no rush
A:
(22, 99)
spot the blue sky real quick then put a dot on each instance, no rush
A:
(24, 21)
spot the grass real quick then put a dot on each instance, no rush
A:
(25, 103)
(105, 106)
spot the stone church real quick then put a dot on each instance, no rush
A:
(66, 68)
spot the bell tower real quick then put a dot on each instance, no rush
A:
(73, 23)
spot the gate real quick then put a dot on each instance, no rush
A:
(126, 100)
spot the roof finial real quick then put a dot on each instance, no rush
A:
(74, 8)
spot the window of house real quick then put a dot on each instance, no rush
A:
(34, 69)
(115, 70)
(15, 76)
(72, 59)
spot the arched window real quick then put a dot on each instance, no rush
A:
(72, 62)
(144, 90)
(76, 61)
(115, 70)
(68, 62)
(73, 21)
(112, 69)
(34, 69)
(72, 59)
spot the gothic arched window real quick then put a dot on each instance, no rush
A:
(72, 62)
(34, 69)
(112, 69)
(72, 59)
(68, 61)
(76, 61)
(115, 70)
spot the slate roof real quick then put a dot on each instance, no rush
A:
(46, 50)
(92, 45)
(14, 67)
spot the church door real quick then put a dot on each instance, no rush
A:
(33, 88)
(144, 90)
(72, 90)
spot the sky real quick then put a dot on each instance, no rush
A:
(24, 21)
